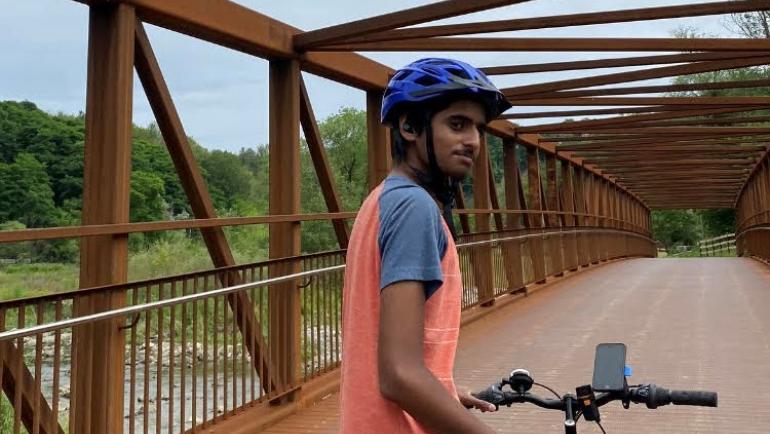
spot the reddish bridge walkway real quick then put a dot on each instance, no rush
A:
(689, 323)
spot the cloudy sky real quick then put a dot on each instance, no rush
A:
(222, 95)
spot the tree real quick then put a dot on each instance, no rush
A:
(718, 222)
(147, 202)
(675, 227)
(227, 178)
(25, 192)
(754, 25)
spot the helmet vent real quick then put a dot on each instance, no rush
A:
(426, 80)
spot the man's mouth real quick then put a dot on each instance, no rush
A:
(465, 157)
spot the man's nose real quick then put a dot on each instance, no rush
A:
(472, 141)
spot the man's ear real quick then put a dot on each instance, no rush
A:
(407, 131)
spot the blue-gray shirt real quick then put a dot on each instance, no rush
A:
(411, 238)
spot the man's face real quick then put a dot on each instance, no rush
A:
(456, 138)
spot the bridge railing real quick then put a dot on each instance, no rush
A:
(753, 213)
(190, 362)
(723, 245)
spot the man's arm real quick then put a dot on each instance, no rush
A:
(404, 378)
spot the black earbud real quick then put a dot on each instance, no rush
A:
(408, 128)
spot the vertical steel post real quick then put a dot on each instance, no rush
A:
(97, 368)
(513, 224)
(482, 264)
(284, 197)
(378, 156)
(536, 220)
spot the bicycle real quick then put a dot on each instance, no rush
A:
(609, 380)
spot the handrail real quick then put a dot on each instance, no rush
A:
(135, 309)
(742, 222)
(721, 237)
(36, 234)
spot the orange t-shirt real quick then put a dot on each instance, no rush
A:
(398, 235)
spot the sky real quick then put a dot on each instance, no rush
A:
(222, 95)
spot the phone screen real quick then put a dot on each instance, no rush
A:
(609, 367)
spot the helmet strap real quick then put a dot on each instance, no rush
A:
(436, 181)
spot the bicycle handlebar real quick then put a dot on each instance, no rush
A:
(650, 394)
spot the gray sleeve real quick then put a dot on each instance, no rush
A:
(411, 238)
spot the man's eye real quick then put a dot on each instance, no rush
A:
(456, 125)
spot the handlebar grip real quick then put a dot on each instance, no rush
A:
(656, 396)
(492, 394)
(694, 397)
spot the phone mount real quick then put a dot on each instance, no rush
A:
(610, 368)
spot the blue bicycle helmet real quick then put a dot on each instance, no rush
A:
(433, 78)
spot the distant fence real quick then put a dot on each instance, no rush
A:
(723, 245)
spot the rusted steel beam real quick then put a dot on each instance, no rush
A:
(740, 84)
(723, 204)
(687, 197)
(645, 74)
(536, 221)
(612, 159)
(406, 17)
(642, 173)
(669, 149)
(673, 178)
(99, 348)
(673, 167)
(33, 408)
(682, 196)
(713, 174)
(684, 182)
(710, 121)
(513, 201)
(494, 199)
(163, 225)
(465, 225)
(555, 44)
(379, 156)
(321, 163)
(234, 26)
(653, 142)
(637, 101)
(604, 17)
(284, 198)
(677, 197)
(197, 193)
(567, 204)
(587, 125)
(506, 130)
(482, 259)
(610, 111)
(655, 191)
(692, 161)
(679, 130)
(618, 62)
(555, 244)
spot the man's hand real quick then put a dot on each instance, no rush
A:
(469, 400)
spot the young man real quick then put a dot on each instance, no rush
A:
(402, 295)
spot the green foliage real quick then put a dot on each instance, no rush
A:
(26, 193)
(146, 197)
(675, 227)
(227, 178)
(345, 140)
(717, 222)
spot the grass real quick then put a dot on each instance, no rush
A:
(176, 254)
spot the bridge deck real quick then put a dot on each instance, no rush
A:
(689, 323)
